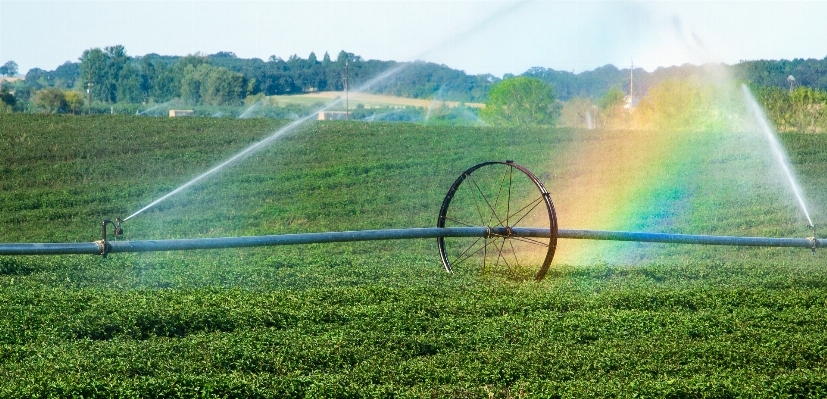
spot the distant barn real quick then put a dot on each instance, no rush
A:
(332, 115)
(181, 112)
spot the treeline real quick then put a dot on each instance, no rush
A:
(112, 76)
(794, 93)
(811, 73)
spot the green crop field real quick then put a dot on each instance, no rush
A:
(382, 319)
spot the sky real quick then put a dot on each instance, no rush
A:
(478, 37)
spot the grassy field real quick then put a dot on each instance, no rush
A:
(382, 319)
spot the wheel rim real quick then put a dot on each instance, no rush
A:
(500, 196)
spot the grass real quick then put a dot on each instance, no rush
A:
(378, 319)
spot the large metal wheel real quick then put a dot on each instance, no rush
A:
(500, 196)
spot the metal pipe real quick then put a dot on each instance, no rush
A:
(692, 239)
(293, 239)
(67, 248)
(96, 248)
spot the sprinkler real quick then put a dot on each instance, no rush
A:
(118, 232)
(813, 240)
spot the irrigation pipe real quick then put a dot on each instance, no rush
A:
(97, 247)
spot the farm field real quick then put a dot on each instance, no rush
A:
(382, 319)
(366, 99)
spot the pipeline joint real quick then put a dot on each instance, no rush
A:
(813, 241)
(118, 232)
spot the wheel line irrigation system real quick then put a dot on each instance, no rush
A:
(499, 228)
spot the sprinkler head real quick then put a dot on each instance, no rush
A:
(812, 239)
(118, 230)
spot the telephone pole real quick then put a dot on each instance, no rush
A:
(632, 83)
(347, 78)
(89, 91)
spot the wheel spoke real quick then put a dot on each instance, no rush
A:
(504, 259)
(493, 212)
(484, 247)
(469, 247)
(499, 191)
(457, 221)
(530, 241)
(484, 254)
(508, 206)
(516, 261)
(536, 203)
(476, 203)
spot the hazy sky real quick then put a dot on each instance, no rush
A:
(476, 36)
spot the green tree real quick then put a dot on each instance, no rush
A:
(51, 100)
(610, 108)
(7, 101)
(612, 98)
(522, 101)
(93, 73)
(166, 85)
(116, 61)
(9, 68)
(6, 97)
(74, 102)
(211, 85)
(191, 83)
(222, 87)
(149, 76)
(129, 85)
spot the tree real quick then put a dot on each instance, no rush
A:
(149, 76)
(222, 87)
(93, 73)
(521, 101)
(74, 102)
(212, 85)
(6, 97)
(9, 68)
(51, 100)
(166, 85)
(116, 61)
(689, 104)
(191, 83)
(611, 109)
(129, 86)
(7, 101)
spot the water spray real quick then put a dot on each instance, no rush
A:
(294, 125)
(267, 141)
(778, 151)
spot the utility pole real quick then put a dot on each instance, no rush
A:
(347, 78)
(632, 84)
(89, 91)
